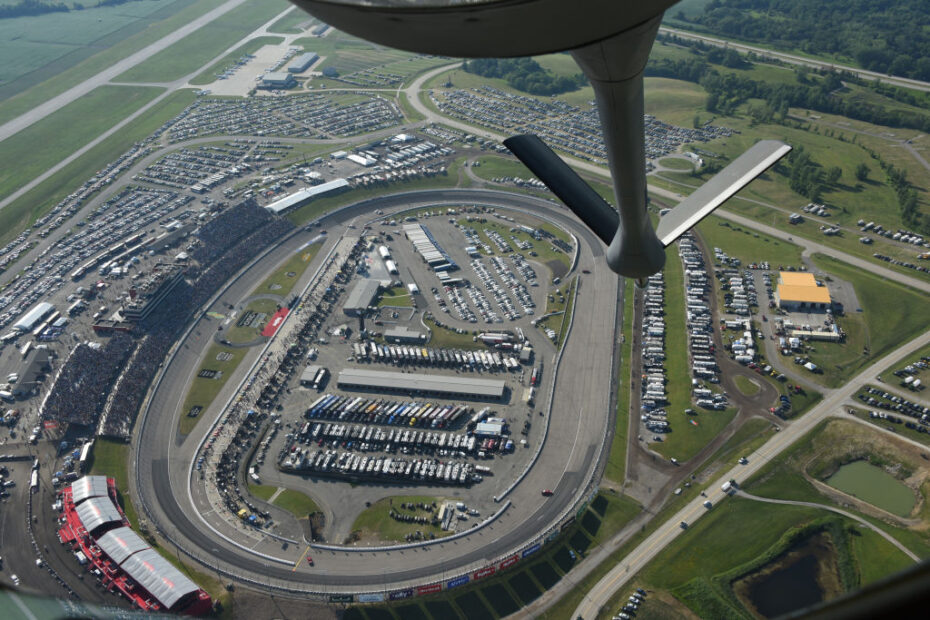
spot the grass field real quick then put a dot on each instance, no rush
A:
(285, 277)
(745, 385)
(443, 337)
(615, 470)
(262, 491)
(831, 442)
(890, 317)
(397, 296)
(239, 335)
(375, 521)
(209, 75)
(111, 458)
(747, 245)
(198, 48)
(296, 503)
(202, 391)
(65, 131)
(19, 214)
(559, 322)
(290, 23)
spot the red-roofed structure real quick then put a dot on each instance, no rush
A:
(93, 523)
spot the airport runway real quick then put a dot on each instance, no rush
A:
(577, 432)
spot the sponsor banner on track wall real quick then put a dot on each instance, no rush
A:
(399, 595)
(377, 597)
(509, 562)
(430, 589)
(458, 581)
(340, 598)
(552, 536)
(531, 550)
(484, 572)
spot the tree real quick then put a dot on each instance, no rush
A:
(862, 172)
(834, 174)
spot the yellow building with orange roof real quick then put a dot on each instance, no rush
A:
(798, 291)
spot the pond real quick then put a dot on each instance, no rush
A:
(804, 575)
(874, 485)
(768, 595)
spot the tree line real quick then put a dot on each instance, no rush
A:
(525, 74)
(31, 8)
(727, 91)
(889, 37)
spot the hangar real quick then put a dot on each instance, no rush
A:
(362, 295)
(800, 292)
(433, 385)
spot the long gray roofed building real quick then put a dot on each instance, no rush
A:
(97, 512)
(87, 487)
(437, 385)
(361, 296)
(121, 543)
(158, 577)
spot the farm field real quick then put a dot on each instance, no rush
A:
(23, 94)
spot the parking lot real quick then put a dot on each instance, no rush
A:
(457, 447)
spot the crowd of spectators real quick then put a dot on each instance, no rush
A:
(80, 391)
(226, 237)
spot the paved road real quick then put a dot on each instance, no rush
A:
(833, 401)
(849, 515)
(41, 111)
(578, 428)
(800, 60)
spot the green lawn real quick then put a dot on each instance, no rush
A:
(297, 503)
(65, 131)
(616, 460)
(285, 277)
(443, 337)
(239, 335)
(494, 166)
(883, 559)
(559, 322)
(111, 458)
(202, 391)
(745, 385)
(290, 23)
(817, 453)
(262, 491)
(375, 520)
(891, 314)
(748, 245)
(22, 212)
(676, 163)
(397, 296)
(209, 75)
(198, 48)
